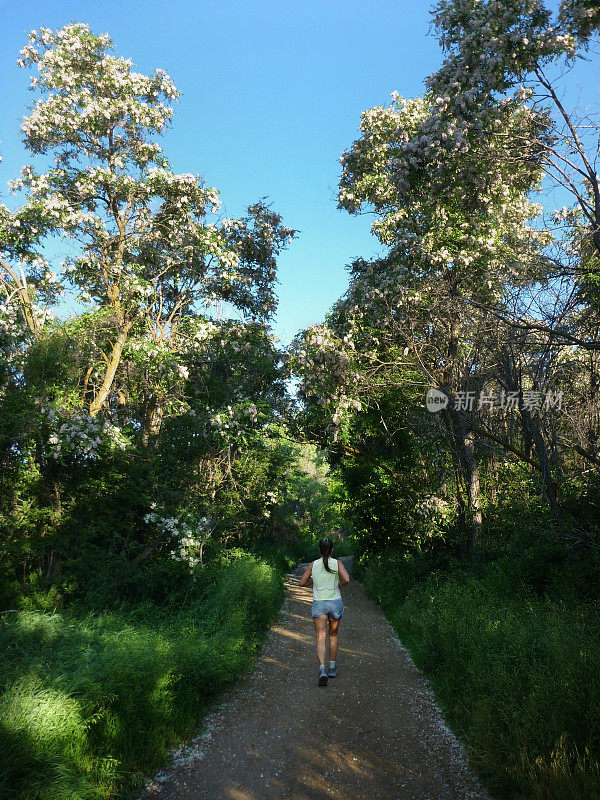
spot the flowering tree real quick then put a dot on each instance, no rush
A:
(454, 230)
(147, 252)
(24, 273)
(153, 394)
(450, 177)
(521, 52)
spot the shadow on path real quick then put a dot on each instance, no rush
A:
(374, 733)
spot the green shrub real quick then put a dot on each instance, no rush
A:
(517, 674)
(91, 703)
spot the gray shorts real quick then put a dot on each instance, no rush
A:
(328, 608)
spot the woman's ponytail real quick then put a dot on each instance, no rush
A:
(325, 548)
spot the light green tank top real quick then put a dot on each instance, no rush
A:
(325, 584)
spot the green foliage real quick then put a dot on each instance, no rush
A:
(91, 703)
(134, 432)
(516, 672)
(314, 495)
(389, 480)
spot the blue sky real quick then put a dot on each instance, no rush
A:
(272, 94)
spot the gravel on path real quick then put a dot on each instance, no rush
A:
(374, 733)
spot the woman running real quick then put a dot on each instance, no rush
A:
(328, 575)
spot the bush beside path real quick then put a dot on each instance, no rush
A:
(91, 703)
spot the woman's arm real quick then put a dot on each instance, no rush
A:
(344, 577)
(307, 576)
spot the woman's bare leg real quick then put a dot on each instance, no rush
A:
(321, 631)
(334, 624)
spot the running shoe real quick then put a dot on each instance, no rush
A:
(322, 677)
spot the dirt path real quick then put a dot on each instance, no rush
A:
(374, 733)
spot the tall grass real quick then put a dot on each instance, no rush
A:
(91, 703)
(517, 674)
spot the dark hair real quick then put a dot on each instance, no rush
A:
(325, 548)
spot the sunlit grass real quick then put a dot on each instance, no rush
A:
(91, 703)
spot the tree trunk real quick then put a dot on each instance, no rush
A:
(153, 416)
(533, 435)
(53, 560)
(462, 509)
(113, 364)
(473, 496)
(492, 472)
(467, 470)
(532, 424)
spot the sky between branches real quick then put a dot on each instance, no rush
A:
(272, 94)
